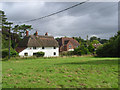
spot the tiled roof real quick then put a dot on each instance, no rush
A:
(66, 39)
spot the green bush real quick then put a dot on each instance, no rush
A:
(5, 53)
(67, 53)
(91, 48)
(39, 54)
(81, 50)
(13, 53)
(111, 48)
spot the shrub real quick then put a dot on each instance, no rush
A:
(109, 49)
(13, 53)
(67, 53)
(39, 54)
(5, 53)
(91, 48)
(81, 50)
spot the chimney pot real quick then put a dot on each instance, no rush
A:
(36, 33)
(27, 32)
(46, 34)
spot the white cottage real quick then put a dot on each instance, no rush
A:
(31, 44)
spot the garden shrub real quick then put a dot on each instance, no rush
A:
(91, 48)
(81, 50)
(111, 48)
(67, 53)
(5, 53)
(13, 53)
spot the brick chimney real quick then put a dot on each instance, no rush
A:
(46, 34)
(36, 33)
(27, 32)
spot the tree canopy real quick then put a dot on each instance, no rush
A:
(111, 48)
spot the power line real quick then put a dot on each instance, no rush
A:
(55, 12)
(103, 9)
(100, 9)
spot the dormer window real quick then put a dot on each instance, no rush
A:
(54, 47)
(34, 47)
(69, 46)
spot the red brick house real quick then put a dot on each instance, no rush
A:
(67, 44)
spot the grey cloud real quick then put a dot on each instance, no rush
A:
(93, 18)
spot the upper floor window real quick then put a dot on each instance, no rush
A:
(54, 47)
(34, 47)
(43, 47)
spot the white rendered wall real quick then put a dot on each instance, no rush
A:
(49, 51)
(71, 50)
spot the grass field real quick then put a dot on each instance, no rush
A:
(62, 72)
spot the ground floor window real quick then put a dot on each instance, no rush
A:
(54, 53)
(26, 54)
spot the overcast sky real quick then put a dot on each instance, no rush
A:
(91, 18)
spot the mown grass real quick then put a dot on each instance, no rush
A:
(62, 72)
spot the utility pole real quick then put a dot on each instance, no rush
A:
(87, 40)
(9, 38)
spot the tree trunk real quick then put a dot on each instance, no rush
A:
(9, 42)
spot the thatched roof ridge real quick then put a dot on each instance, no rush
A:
(38, 41)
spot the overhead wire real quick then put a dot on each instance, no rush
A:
(55, 12)
(65, 10)
(88, 7)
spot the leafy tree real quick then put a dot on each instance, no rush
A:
(80, 40)
(57, 38)
(95, 42)
(102, 41)
(16, 29)
(93, 38)
(111, 48)
(5, 25)
(21, 29)
(91, 48)
(81, 50)
(2, 19)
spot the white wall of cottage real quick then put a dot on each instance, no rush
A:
(49, 51)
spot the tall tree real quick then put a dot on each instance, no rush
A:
(9, 23)
(111, 48)
(93, 38)
(3, 21)
(6, 27)
(21, 29)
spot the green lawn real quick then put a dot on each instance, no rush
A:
(66, 72)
